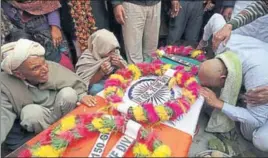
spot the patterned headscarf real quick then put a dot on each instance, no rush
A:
(36, 7)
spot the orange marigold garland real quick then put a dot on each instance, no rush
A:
(117, 84)
(54, 142)
(84, 21)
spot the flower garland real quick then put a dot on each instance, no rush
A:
(84, 21)
(183, 51)
(116, 85)
(54, 142)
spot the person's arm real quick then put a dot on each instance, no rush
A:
(97, 77)
(54, 18)
(238, 114)
(54, 23)
(227, 9)
(7, 117)
(249, 14)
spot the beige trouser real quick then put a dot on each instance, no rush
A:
(36, 118)
(141, 31)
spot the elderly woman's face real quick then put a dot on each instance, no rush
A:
(35, 70)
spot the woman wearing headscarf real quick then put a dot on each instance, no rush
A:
(101, 59)
(40, 19)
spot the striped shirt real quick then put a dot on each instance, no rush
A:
(249, 14)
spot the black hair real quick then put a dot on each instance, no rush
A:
(16, 34)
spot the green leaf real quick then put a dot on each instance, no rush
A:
(59, 143)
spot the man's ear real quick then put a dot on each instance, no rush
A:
(223, 77)
(18, 75)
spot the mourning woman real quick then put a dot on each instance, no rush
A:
(101, 59)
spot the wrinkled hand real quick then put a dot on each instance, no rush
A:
(175, 8)
(211, 98)
(115, 60)
(222, 35)
(88, 100)
(56, 36)
(120, 14)
(107, 68)
(257, 96)
(227, 13)
(209, 5)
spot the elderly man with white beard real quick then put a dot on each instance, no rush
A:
(35, 91)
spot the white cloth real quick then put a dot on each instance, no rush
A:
(15, 53)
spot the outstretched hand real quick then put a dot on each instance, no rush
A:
(88, 100)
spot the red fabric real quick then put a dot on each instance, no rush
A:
(66, 62)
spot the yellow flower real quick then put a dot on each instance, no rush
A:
(188, 94)
(166, 67)
(97, 123)
(67, 123)
(162, 151)
(172, 82)
(105, 130)
(141, 150)
(178, 78)
(195, 53)
(139, 113)
(159, 53)
(135, 71)
(158, 72)
(119, 92)
(109, 90)
(47, 151)
(190, 80)
(161, 112)
(119, 77)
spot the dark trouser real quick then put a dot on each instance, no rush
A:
(100, 14)
(17, 137)
(188, 22)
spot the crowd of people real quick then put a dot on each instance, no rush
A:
(56, 55)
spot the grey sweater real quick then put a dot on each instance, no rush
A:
(15, 93)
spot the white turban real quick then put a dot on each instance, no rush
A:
(15, 53)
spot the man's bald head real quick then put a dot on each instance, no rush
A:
(212, 73)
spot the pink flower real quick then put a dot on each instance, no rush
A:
(187, 51)
(83, 131)
(185, 103)
(184, 78)
(45, 137)
(86, 118)
(201, 57)
(194, 70)
(149, 140)
(179, 68)
(67, 136)
(25, 153)
(125, 73)
(158, 61)
(115, 99)
(151, 113)
(177, 111)
(119, 122)
(112, 82)
(169, 49)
